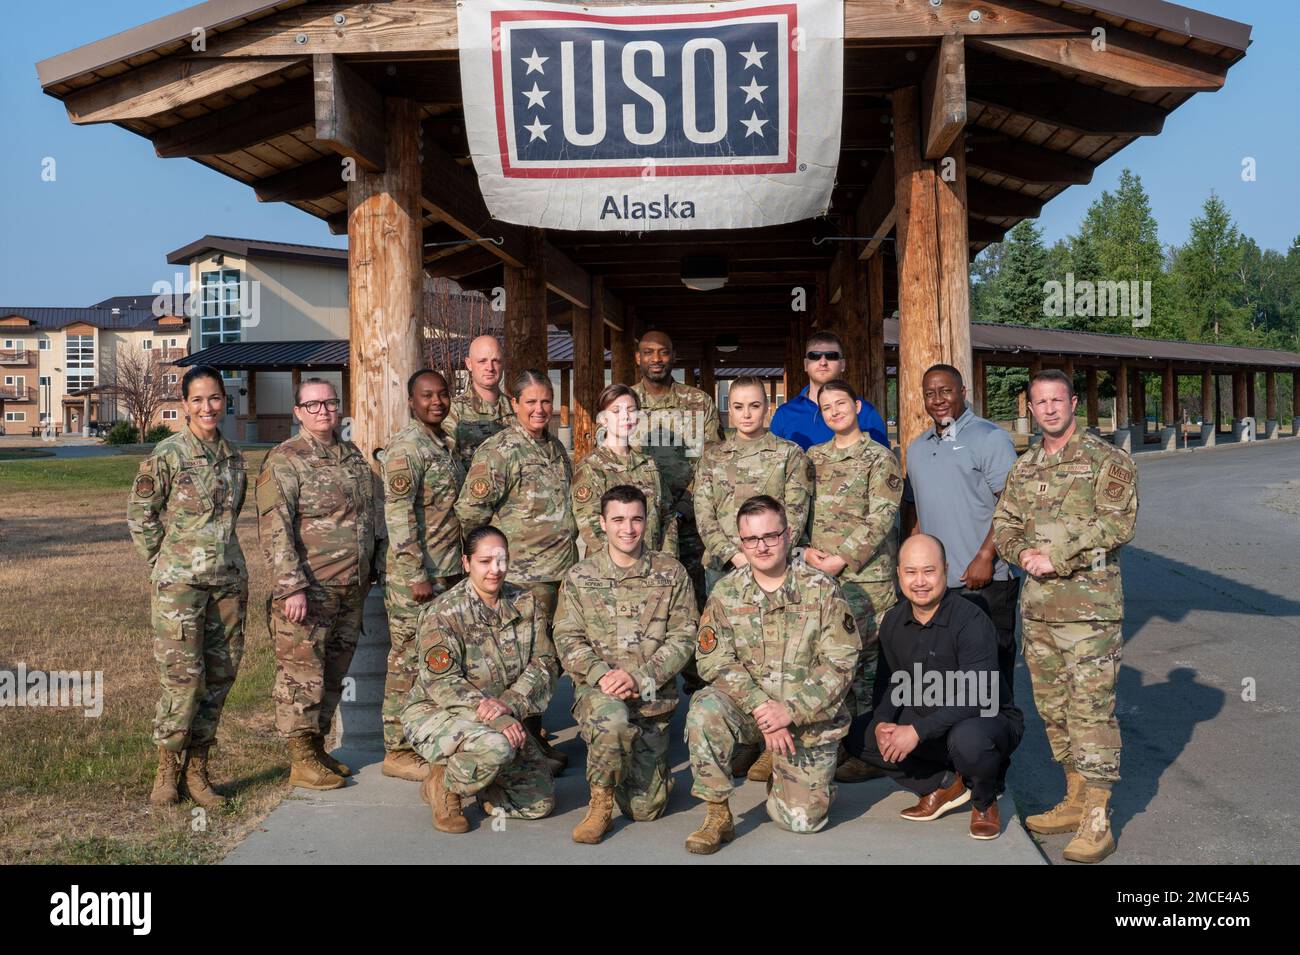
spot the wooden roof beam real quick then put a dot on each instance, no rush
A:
(993, 202)
(260, 117)
(878, 211)
(305, 183)
(943, 97)
(1118, 56)
(349, 112)
(1029, 163)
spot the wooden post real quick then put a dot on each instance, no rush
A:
(796, 379)
(252, 408)
(979, 386)
(385, 279)
(1169, 394)
(525, 326)
(564, 397)
(1270, 396)
(622, 348)
(688, 373)
(1295, 397)
(295, 379)
(1239, 395)
(933, 259)
(347, 391)
(588, 370)
(1250, 393)
(1094, 412)
(875, 319)
(708, 383)
(1209, 413)
(1121, 396)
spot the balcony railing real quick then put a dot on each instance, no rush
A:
(10, 393)
(16, 356)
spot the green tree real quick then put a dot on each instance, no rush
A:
(1208, 277)
(1022, 277)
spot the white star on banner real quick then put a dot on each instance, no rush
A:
(752, 58)
(537, 130)
(535, 62)
(753, 90)
(753, 124)
(536, 97)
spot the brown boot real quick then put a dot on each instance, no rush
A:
(166, 780)
(328, 761)
(448, 816)
(1066, 814)
(556, 760)
(596, 823)
(854, 770)
(405, 764)
(196, 783)
(762, 768)
(716, 829)
(1093, 842)
(306, 771)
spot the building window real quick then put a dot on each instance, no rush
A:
(45, 381)
(80, 383)
(172, 379)
(219, 316)
(15, 415)
(146, 343)
(81, 351)
(169, 414)
(43, 344)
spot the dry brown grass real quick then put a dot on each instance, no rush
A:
(74, 595)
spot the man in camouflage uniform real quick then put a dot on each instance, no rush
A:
(421, 476)
(1068, 506)
(316, 522)
(778, 646)
(482, 410)
(625, 628)
(677, 423)
(476, 660)
(200, 597)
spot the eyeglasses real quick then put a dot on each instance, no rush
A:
(767, 540)
(819, 355)
(312, 407)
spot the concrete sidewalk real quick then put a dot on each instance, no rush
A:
(377, 820)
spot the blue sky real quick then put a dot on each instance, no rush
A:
(105, 225)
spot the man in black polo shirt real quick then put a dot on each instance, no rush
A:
(941, 717)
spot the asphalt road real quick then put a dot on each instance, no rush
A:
(1211, 597)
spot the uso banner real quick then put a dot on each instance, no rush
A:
(653, 117)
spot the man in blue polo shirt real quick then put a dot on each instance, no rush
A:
(800, 419)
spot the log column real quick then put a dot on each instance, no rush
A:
(1169, 395)
(1209, 409)
(525, 331)
(875, 319)
(979, 386)
(385, 279)
(1094, 412)
(1270, 404)
(565, 384)
(1250, 395)
(588, 370)
(1295, 404)
(622, 348)
(933, 260)
(1239, 406)
(708, 383)
(1121, 396)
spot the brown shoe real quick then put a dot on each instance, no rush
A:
(405, 764)
(167, 778)
(1066, 814)
(985, 824)
(195, 782)
(940, 801)
(308, 772)
(762, 768)
(595, 824)
(1094, 841)
(448, 816)
(328, 761)
(717, 828)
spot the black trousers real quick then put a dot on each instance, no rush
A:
(979, 748)
(999, 600)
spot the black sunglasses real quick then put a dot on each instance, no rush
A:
(819, 355)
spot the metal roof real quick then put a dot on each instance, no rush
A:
(328, 355)
(53, 318)
(256, 248)
(1013, 339)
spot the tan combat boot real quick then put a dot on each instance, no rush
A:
(762, 768)
(405, 764)
(716, 829)
(196, 783)
(166, 781)
(596, 823)
(328, 761)
(850, 769)
(1093, 842)
(308, 772)
(1065, 815)
(448, 816)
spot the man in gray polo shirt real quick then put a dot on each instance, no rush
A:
(955, 473)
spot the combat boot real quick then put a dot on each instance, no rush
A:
(555, 760)
(166, 781)
(1093, 842)
(1066, 814)
(448, 816)
(405, 764)
(743, 757)
(716, 829)
(762, 768)
(308, 772)
(328, 761)
(850, 769)
(596, 823)
(196, 783)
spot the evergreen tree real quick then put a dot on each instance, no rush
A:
(1022, 277)
(1208, 274)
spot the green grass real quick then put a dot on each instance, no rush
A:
(70, 474)
(178, 848)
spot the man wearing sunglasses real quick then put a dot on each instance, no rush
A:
(800, 419)
(778, 647)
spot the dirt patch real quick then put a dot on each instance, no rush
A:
(1284, 498)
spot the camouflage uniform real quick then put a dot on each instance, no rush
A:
(674, 429)
(642, 620)
(521, 486)
(603, 469)
(858, 492)
(200, 583)
(798, 645)
(1078, 507)
(732, 472)
(316, 522)
(421, 477)
(469, 651)
(471, 421)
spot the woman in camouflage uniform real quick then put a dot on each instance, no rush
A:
(615, 462)
(519, 481)
(487, 664)
(200, 584)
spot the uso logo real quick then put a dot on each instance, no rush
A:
(589, 95)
